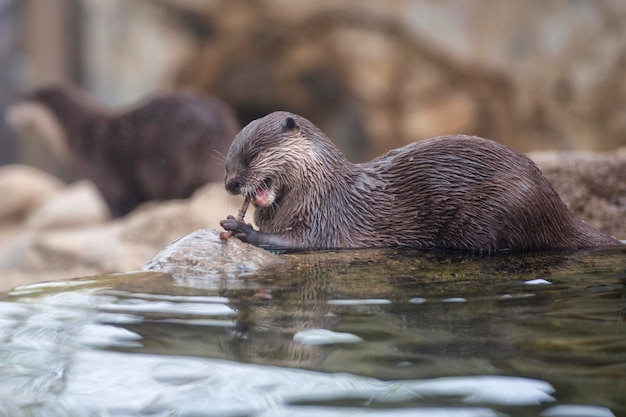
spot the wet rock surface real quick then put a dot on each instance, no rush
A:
(203, 254)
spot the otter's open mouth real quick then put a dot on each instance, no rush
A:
(263, 196)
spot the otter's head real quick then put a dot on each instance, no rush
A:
(32, 117)
(274, 154)
(52, 114)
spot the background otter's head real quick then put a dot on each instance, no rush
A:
(37, 115)
(276, 153)
(51, 114)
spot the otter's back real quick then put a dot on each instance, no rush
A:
(470, 193)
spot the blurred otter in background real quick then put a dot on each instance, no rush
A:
(164, 148)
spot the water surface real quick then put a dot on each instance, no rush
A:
(384, 333)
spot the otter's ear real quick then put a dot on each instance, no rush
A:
(289, 123)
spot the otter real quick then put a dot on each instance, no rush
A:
(451, 192)
(156, 150)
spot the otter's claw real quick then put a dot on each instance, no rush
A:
(239, 229)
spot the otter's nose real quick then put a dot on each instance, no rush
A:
(233, 186)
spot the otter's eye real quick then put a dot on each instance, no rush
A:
(249, 158)
(289, 123)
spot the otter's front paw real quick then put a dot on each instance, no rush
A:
(241, 230)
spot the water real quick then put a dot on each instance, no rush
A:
(367, 333)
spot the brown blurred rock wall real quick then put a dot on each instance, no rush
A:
(373, 75)
(530, 74)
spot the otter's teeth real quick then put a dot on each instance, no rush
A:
(262, 197)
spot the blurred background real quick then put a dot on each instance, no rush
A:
(373, 75)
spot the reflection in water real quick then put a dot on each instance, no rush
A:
(355, 332)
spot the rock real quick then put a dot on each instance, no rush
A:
(78, 204)
(203, 254)
(33, 254)
(99, 248)
(593, 185)
(159, 223)
(22, 188)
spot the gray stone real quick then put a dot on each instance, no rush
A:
(203, 254)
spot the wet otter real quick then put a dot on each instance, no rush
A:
(156, 150)
(454, 192)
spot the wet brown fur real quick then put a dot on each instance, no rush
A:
(455, 192)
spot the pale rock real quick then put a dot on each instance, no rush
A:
(98, 247)
(32, 254)
(78, 204)
(22, 188)
(157, 224)
(213, 204)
